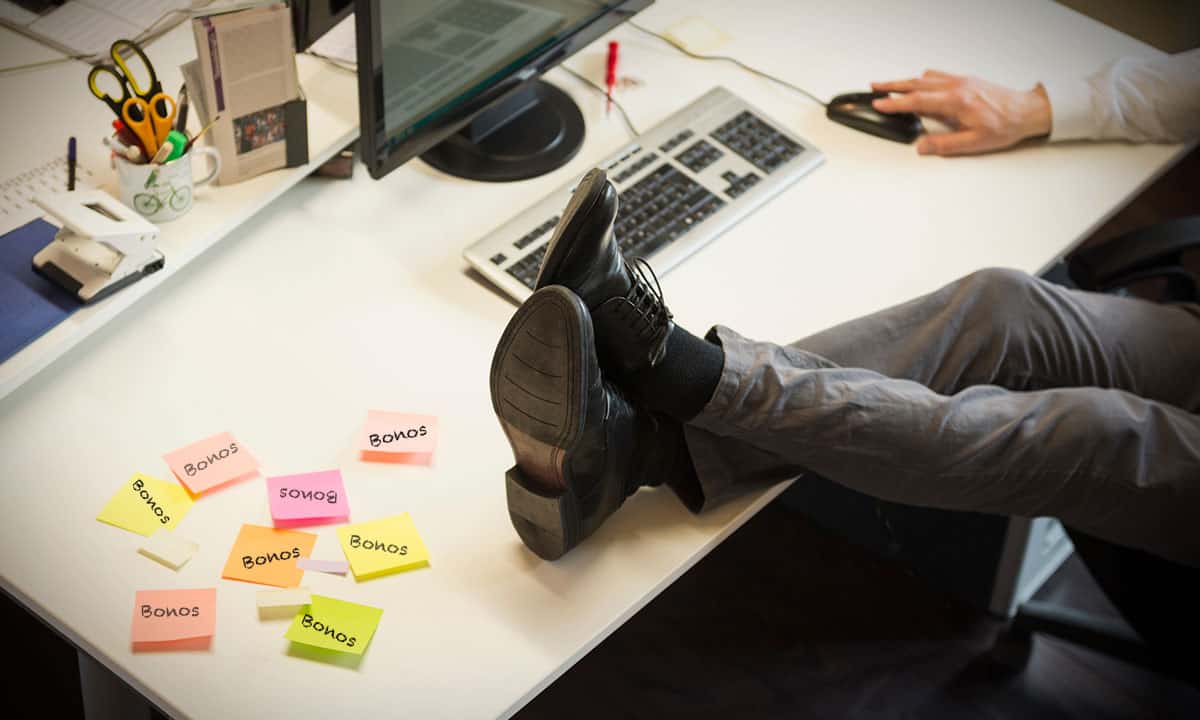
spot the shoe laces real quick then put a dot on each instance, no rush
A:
(644, 307)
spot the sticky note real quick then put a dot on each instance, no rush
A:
(336, 625)
(308, 499)
(398, 437)
(335, 567)
(173, 619)
(281, 603)
(697, 35)
(145, 504)
(169, 549)
(211, 462)
(268, 556)
(380, 547)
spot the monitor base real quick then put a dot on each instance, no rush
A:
(537, 130)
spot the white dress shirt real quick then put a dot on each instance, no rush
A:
(1132, 99)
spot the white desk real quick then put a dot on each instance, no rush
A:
(344, 296)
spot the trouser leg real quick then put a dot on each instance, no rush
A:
(1107, 461)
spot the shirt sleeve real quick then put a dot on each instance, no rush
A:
(1132, 99)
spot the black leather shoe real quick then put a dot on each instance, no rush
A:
(581, 448)
(632, 322)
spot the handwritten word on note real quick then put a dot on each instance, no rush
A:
(268, 556)
(398, 437)
(335, 625)
(145, 504)
(173, 619)
(308, 499)
(211, 462)
(384, 546)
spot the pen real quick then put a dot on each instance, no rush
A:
(181, 115)
(610, 77)
(126, 135)
(71, 164)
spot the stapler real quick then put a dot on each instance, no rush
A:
(102, 246)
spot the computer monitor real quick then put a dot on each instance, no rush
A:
(313, 18)
(458, 82)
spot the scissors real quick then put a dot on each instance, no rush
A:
(143, 107)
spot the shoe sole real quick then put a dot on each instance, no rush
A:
(586, 194)
(539, 384)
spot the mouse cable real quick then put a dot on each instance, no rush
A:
(628, 123)
(726, 58)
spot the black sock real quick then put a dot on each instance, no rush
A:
(682, 383)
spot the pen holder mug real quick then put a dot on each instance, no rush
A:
(163, 192)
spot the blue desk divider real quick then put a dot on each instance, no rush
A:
(29, 303)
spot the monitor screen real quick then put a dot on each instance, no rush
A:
(434, 64)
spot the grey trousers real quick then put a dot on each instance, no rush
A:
(999, 393)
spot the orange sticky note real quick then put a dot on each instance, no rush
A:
(398, 437)
(211, 462)
(268, 556)
(173, 619)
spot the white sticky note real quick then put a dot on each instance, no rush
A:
(335, 567)
(283, 603)
(169, 549)
(697, 35)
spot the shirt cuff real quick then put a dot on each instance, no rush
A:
(1070, 109)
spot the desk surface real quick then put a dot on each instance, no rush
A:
(345, 296)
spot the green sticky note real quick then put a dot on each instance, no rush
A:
(333, 624)
(145, 504)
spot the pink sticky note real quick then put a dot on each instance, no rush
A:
(335, 567)
(174, 619)
(211, 462)
(308, 498)
(398, 437)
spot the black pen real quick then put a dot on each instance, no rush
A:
(71, 164)
(181, 115)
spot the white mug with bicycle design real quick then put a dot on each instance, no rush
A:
(164, 192)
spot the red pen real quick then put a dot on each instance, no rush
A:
(126, 135)
(610, 78)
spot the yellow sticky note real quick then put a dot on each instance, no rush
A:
(380, 547)
(145, 504)
(335, 625)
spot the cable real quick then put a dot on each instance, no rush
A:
(733, 60)
(335, 62)
(629, 123)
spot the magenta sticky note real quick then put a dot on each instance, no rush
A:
(308, 498)
(211, 462)
(398, 437)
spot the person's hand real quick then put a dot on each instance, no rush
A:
(982, 116)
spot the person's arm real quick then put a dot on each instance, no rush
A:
(1133, 99)
(1139, 100)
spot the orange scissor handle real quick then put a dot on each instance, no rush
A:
(138, 118)
(162, 115)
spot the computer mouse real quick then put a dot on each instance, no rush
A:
(855, 110)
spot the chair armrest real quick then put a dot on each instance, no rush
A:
(1134, 253)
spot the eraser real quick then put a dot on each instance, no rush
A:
(169, 549)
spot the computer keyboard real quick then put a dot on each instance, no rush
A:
(681, 184)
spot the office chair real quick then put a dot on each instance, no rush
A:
(1158, 598)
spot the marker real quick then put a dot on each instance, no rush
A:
(181, 115)
(71, 164)
(164, 151)
(610, 77)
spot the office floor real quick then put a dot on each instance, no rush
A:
(787, 620)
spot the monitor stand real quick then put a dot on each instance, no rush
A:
(536, 130)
